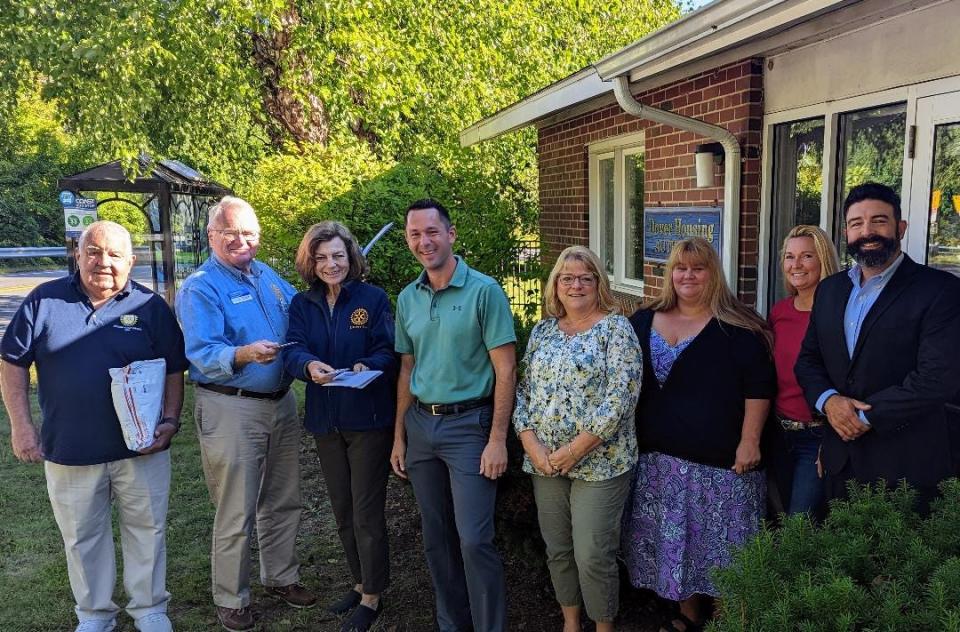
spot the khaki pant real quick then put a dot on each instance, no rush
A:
(580, 523)
(250, 450)
(81, 496)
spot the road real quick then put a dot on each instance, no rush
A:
(14, 287)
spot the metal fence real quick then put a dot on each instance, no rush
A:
(521, 279)
(32, 252)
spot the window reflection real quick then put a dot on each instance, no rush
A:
(633, 170)
(606, 213)
(943, 235)
(871, 149)
(797, 188)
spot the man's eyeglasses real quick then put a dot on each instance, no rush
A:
(232, 234)
(586, 280)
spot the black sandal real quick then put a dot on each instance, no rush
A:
(362, 618)
(346, 603)
(688, 625)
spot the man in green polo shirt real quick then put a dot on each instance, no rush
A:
(454, 398)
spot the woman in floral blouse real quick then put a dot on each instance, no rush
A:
(574, 415)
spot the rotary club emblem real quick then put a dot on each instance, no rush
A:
(359, 317)
(129, 320)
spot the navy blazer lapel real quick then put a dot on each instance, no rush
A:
(888, 296)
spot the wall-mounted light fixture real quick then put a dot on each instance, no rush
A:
(708, 155)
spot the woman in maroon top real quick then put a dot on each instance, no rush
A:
(808, 256)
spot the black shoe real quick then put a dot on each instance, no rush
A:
(346, 603)
(362, 618)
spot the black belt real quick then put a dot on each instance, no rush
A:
(240, 392)
(453, 409)
(793, 424)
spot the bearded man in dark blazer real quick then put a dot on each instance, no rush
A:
(881, 357)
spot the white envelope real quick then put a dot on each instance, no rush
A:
(137, 391)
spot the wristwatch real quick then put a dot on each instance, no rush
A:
(173, 422)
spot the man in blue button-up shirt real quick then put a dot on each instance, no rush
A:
(234, 314)
(881, 357)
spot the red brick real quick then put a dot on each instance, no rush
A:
(732, 94)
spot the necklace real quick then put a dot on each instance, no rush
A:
(569, 324)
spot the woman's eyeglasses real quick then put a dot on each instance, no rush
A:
(586, 280)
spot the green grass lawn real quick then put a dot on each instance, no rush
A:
(35, 594)
(33, 576)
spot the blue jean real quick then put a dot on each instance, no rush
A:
(807, 493)
(456, 509)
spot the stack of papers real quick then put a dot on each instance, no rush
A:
(352, 379)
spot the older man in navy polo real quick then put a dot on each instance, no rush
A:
(74, 330)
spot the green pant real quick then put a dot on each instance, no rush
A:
(580, 523)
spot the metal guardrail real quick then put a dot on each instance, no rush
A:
(23, 253)
(53, 251)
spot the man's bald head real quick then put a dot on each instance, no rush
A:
(106, 227)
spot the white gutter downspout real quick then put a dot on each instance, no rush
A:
(730, 239)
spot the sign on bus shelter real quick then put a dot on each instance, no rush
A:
(78, 213)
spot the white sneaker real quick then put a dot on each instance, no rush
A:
(96, 625)
(154, 622)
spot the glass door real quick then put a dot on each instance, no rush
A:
(933, 210)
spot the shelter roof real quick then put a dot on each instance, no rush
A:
(164, 175)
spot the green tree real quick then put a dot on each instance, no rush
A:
(243, 88)
(34, 152)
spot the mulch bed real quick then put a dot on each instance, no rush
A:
(409, 600)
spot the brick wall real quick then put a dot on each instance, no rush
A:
(730, 96)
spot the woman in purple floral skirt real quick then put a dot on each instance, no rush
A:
(698, 492)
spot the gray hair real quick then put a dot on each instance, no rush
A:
(105, 226)
(228, 201)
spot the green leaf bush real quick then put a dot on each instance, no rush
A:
(874, 564)
(345, 181)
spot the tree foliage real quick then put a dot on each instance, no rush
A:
(194, 78)
(312, 108)
(34, 152)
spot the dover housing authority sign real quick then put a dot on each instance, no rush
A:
(663, 227)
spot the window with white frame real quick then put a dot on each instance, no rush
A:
(616, 210)
(817, 155)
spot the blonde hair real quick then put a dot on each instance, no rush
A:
(717, 297)
(606, 302)
(826, 252)
(322, 233)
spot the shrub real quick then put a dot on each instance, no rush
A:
(874, 564)
(345, 181)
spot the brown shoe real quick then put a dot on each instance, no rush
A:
(235, 620)
(295, 595)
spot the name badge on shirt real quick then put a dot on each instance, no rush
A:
(241, 296)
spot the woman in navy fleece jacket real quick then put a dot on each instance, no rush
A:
(340, 322)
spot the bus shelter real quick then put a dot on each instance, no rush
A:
(174, 200)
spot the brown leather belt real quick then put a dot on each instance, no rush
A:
(240, 392)
(454, 409)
